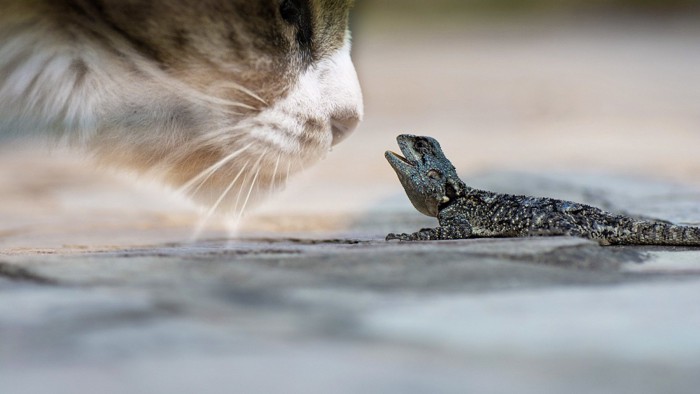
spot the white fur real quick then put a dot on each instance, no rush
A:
(328, 93)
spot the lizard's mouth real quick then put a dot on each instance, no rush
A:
(400, 164)
(391, 155)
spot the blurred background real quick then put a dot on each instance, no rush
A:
(537, 83)
(538, 86)
(479, 9)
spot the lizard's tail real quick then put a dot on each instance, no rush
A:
(657, 233)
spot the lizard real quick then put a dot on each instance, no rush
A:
(434, 188)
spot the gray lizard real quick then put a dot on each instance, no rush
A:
(432, 185)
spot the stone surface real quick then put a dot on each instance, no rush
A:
(113, 287)
(542, 315)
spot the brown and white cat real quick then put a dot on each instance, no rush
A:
(221, 99)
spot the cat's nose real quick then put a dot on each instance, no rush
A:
(343, 125)
(340, 94)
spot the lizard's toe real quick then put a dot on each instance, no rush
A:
(399, 237)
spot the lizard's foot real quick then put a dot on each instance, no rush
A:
(425, 234)
(398, 237)
(434, 234)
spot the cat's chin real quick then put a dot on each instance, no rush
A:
(229, 177)
(241, 176)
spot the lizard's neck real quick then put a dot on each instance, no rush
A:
(456, 188)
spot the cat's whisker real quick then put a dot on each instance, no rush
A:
(218, 132)
(273, 185)
(236, 210)
(225, 102)
(211, 139)
(252, 184)
(198, 95)
(289, 167)
(242, 89)
(203, 222)
(204, 176)
(193, 93)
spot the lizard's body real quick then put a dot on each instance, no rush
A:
(434, 188)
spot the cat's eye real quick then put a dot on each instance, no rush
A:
(298, 14)
(290, 10)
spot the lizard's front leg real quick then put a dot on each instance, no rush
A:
(425, 234)
(440, 233)
(453, 225)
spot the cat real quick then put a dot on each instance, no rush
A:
(221, 100)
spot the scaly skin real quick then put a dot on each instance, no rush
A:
(432, 185)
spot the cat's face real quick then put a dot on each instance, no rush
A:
(279, 83)
(222, 99)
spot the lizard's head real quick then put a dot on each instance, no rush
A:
(430, 180)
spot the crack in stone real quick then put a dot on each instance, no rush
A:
(19, 274)
(591, 258)
(580, 257)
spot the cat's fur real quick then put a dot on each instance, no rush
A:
(222, 99)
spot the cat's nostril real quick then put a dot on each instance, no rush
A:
(342, 127)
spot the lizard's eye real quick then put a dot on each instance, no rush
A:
(434, 174)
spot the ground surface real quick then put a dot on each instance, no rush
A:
(108, 286)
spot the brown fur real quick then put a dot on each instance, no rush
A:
(171, 87)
